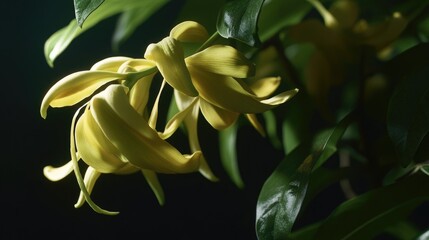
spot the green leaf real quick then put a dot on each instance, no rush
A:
(367, 215)
(283, 193)
(132, 18)
(271, 128)
(407, 114)
(329, 146)
(424, 236)
(61, 39)
(83, 8)
(238, 19)
(228, 153)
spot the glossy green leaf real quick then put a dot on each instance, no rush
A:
(133, 18)
(83, 8)
(367, 215)
(278, 14)
(407, 116)
(61, 39)
(238, 19)
(283, 193)
(228, 153)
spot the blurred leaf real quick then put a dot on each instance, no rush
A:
(424, 236)
(278, 14)
(61, 39)
(283, 193)
(271, 128)
(425, 169)
(204, 12)
(403, 230)
(228, 153)
(83, 8)
(238, 19)
(132, 18)
(365, 216)
(329, 146)
(305, 233)
(407, 116)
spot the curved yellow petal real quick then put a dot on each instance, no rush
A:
(75, 87)
(191, 123)
(139, 93)
(110, 64)
(231, 94)
(256, 124)
(217, 117)
(189, 31)
(133, 137)
(136, 65)
(94, 148)
(169, 58)
(264, 87)
(155, 185)
(58, 173)
(223, 60)
(174, 123)
(77, 173)
(90, 178)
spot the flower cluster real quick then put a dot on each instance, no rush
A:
(115, 131)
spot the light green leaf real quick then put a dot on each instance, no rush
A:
(228, 153)
(239, 20)
(133, 18)
(83, 8)
(61, 39)
(369, 214)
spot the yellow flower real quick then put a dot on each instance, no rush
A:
(112, 135)
(214, 75)
(212, 81)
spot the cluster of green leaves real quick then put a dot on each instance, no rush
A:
(361, 116)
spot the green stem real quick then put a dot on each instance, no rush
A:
(209, 41)
(132, 78)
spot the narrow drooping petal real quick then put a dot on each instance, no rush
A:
(56, 174)
(217, 117)
(155, 185)
(139, 93)
(90, 178)
(256, 124)
(231, 94)
(75, 87)
(169, 58)
(174, 123)
(223, 60)
(135, 65)
(189, 31)
(133, 137)
(153, 118)
(77, 173)
(110, 64)
(94, 148)
(191, 122)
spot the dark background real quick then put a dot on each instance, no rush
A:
(33, 207)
